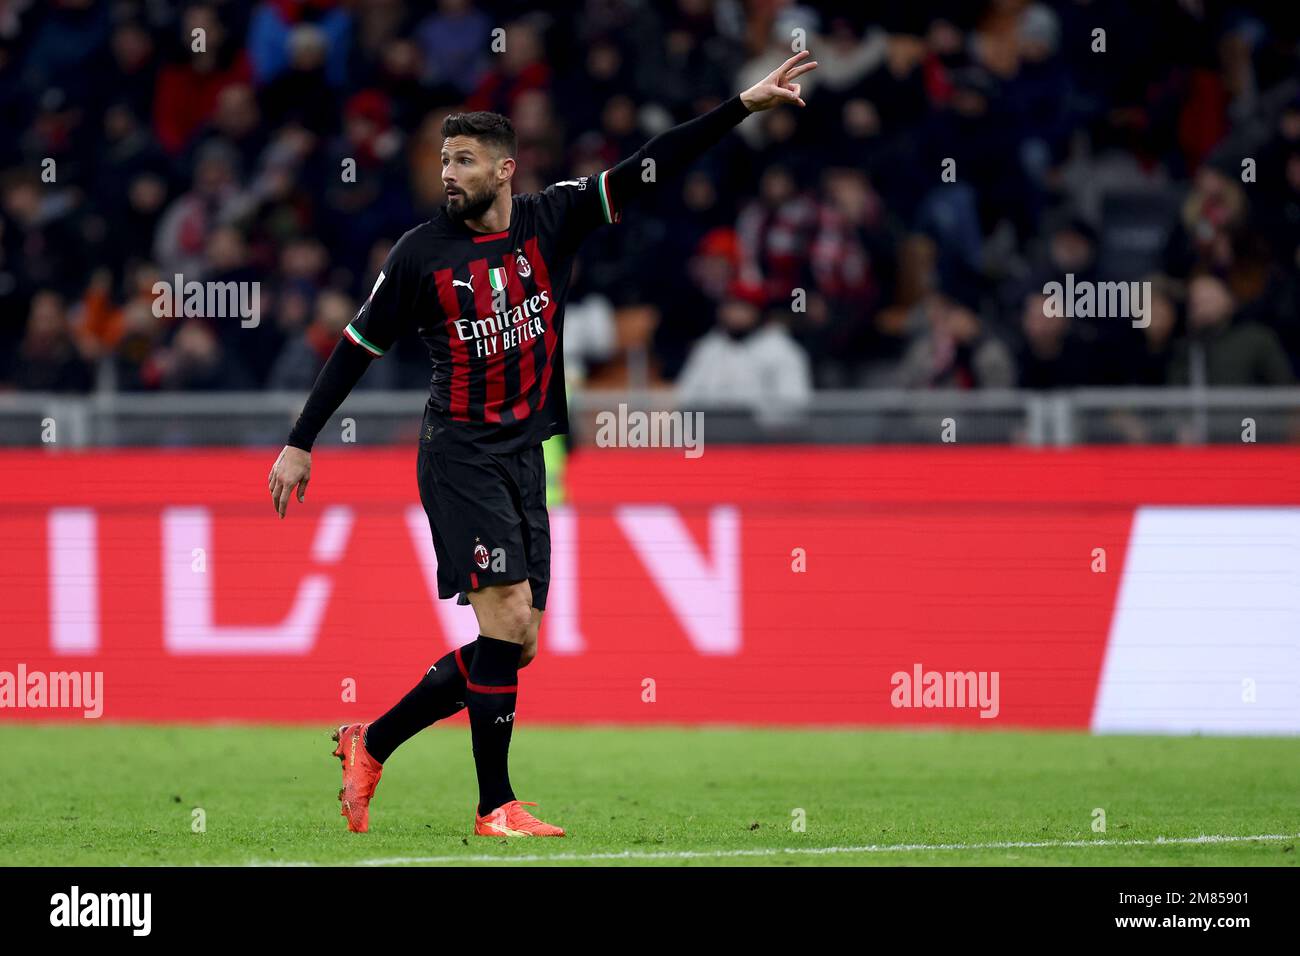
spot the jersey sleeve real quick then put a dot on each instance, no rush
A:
(574, 208)
(392, 303)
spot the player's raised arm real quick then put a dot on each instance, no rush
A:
(674, 150)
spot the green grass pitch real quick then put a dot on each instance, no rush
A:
(109, 794)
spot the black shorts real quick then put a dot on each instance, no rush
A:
(487, 513)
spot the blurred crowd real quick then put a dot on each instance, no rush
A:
(818, 248)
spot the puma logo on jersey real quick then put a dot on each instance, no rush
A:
(468, 285)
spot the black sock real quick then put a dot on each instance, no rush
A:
(490, 697)
(440, 693)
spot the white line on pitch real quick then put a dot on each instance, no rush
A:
(783, 851)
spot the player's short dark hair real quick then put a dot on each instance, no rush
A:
(491, 128)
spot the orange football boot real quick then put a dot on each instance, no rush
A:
(512, 820)
(361, 773)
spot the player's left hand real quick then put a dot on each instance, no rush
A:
(776, 88)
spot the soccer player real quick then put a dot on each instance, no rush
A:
(484, 283)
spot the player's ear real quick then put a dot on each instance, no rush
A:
(506, 169)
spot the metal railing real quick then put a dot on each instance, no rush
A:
(1060, 418)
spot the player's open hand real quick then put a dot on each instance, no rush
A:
(777, 87)
(291, 470)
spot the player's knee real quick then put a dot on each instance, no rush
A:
(504, 611)
(516, 615)
(526, 655)
(530, 648)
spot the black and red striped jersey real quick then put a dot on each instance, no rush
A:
(490, 308)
